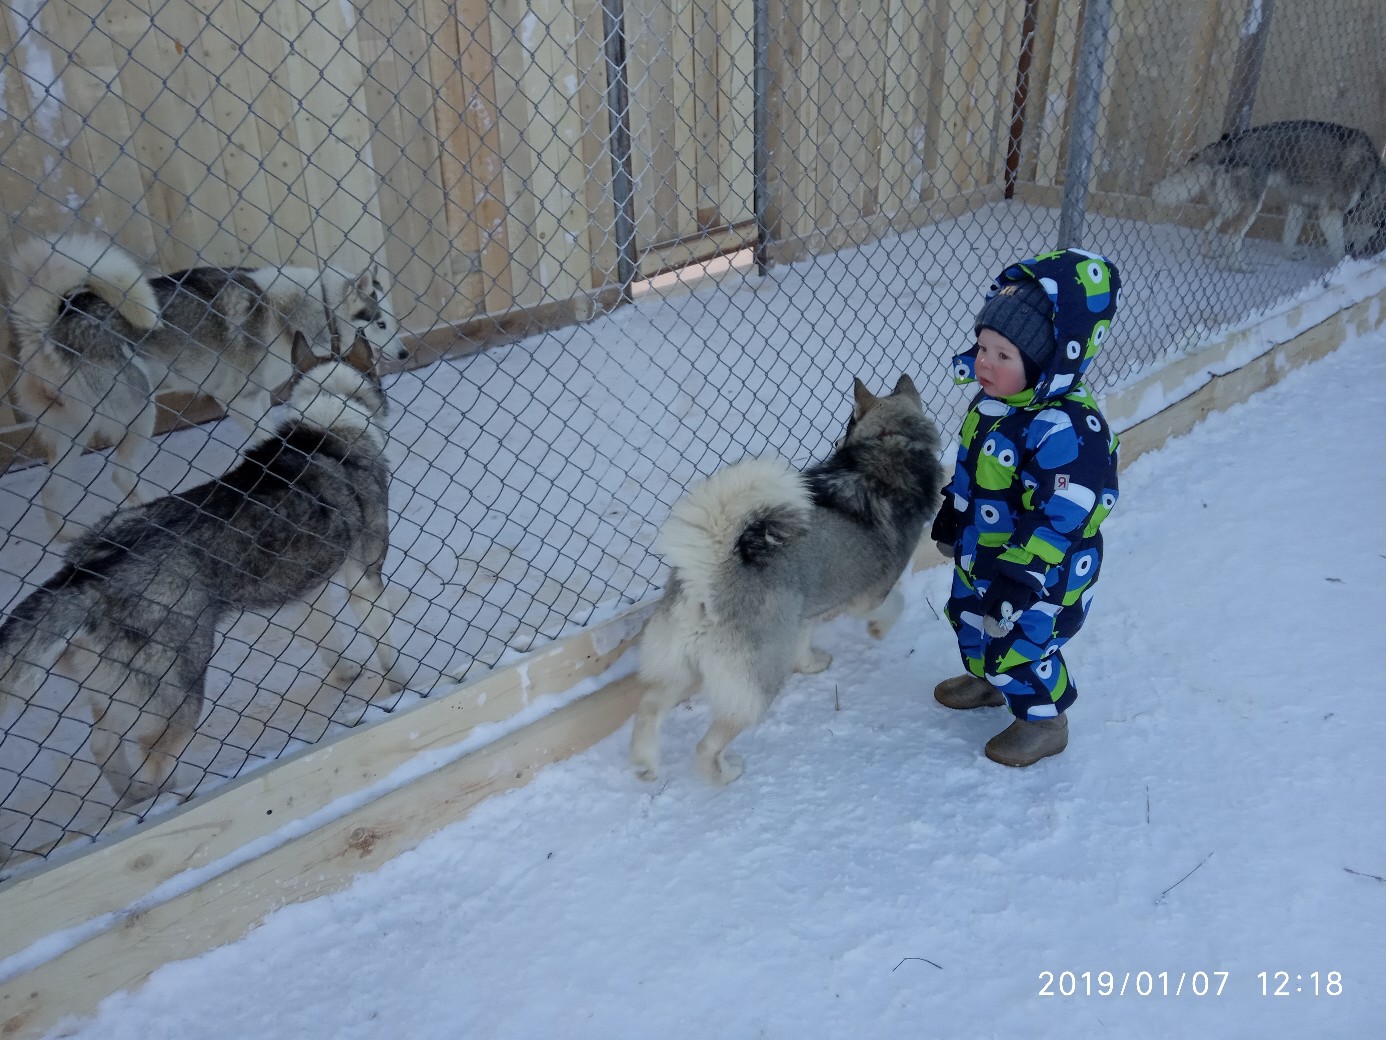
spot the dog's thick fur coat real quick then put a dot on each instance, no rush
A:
(132, 616)
(759, 553)
(97, 340)
(1331, 171)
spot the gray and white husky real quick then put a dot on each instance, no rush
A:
(96, 340)
(760, 552)
(132, 615)
(1329, 170)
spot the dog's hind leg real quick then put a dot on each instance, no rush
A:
(132, 453)
(808, 659)
(145, 701)
(374, 605)
(63, 455)
(1331, 221)
(1294, 224)
(671, 677)
(881, 620)
(314, 622)
(672, 681)
(739, 698)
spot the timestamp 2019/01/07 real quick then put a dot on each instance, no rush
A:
(1312, 984)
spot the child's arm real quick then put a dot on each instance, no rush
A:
(1070, 469)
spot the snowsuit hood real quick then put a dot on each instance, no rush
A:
(1085, 289)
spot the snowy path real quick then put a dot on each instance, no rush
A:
(873, 875)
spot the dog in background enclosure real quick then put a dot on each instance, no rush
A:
(1331, 171)
(132, 615)
(760, 552)
(97, 340)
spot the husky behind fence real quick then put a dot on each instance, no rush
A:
(1331, 171)
(132, 616)
(97, 339)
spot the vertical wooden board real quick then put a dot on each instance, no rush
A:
(790, 48)
(590, 56)
(516, 152)
(400, 104)
(809, 73)
(560, 176)
(849, 103)
(94, 89)
(735, 149)
(1051, 153)
(1007, 21)
(510, 19)
(650, 53)
(903, 123)
(232, 108)
(461, 64)
(708, 182)
(283, 156)
(323, 72)
(935, 97)
(46, 169)
(683, 215)
(176, 138)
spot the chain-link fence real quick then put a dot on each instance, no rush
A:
(622, 241)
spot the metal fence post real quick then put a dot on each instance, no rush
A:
(618, 113)
(1083, 132)
(761, 131)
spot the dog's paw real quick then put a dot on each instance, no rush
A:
(343, 673)
(722, 769)
(647, 771)
(878, 628)
(814, 661)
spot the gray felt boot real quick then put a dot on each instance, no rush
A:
(1025, 743)
(965, 692)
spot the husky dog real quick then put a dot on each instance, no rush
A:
(759, 552)
(132, 616)
(1332, 170)
(96, 340)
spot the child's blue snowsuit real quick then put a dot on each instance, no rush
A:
(1036, 475)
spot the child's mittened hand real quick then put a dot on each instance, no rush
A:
(1005, 600)
(945, 528)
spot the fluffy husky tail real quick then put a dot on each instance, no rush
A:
(44, 273)
(1185, 185)
(738, 518)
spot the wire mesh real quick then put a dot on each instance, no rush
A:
(622, 243)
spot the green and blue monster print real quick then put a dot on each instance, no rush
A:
(1035, 477)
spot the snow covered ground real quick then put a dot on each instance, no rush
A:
(1212, 837)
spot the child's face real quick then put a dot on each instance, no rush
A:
(1000, 370)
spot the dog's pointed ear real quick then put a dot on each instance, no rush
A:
(905, 385)
(863, 397)
(365, 283)
(301, 354)
(359, 356)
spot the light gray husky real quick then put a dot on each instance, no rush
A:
(96, 340)
(132, 616)
(760, 552)
(1326, 169)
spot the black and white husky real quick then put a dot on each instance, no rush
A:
(96, 340)
(759, 553)
(133, 614)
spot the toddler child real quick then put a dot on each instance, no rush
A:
(1036, 475)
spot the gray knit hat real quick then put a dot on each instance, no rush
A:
(1024, 314)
